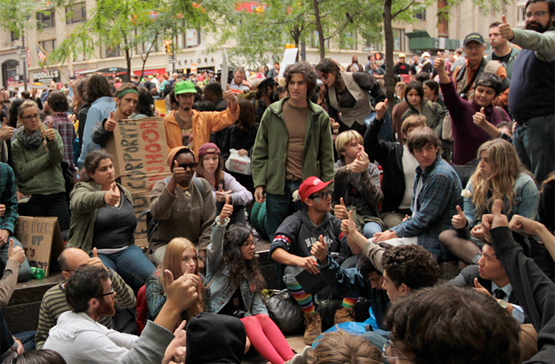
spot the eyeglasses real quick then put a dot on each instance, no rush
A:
(111, 293)
(322, 195)
(389, 352)
(30, 117)
(537, 14)
(248, 243)
(188, 165)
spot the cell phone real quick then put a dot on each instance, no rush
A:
(24, 199)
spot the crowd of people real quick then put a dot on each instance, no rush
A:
(361, 197)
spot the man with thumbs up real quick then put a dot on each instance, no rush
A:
(531, 103)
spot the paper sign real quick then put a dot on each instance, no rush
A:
(41, 240)
(140, 155)
(225, 72)
(289, 57)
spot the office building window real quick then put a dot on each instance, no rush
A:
(76, 13)
(47, 46)
(46, 19)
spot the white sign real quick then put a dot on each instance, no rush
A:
(46, 75)
(192, 37)
(225, 72)
(289, 57)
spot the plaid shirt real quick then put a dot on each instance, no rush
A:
(437, 203)
(9, 198)
(65, 127)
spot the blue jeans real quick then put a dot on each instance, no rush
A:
(24, 271)
(370, 228)
(131, 264)
(279, 207)
(534, 142)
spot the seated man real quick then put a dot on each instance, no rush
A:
(424, 324)
(9, 219)
(398, 165)
(54, 300)
(490, 278)
(357, 184)
(437, 192)
(291, 247)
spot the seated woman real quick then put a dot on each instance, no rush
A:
(102, 217)
(180, 258)
(418, 105)
(211, 168)
(37, 153)
(234, 286)
(240, 136)
(499, 175)
(183, 205)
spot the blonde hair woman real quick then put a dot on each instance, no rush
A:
(499, 175)
(180, 258)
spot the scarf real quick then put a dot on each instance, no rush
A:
(32, 141)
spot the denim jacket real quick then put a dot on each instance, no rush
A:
(525, 201)
(219, 284)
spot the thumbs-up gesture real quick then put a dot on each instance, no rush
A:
(320, 249)
(381, 109)
(348, 225)
(340, 210)
(505, 29)
(479, 118)
(95, 260)
(178, 173)
(182, 292)
(227, 210)
(459, 220)
(6, 131)
(495, 219)
(479, 288)
(439, 62)
(16, 252)
(50, 135)
(110, 123)
(111, 197)
(221, 194)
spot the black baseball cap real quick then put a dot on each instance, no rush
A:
(474, 37)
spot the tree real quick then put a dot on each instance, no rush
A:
(136, 27)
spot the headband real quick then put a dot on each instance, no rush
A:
(122, 93)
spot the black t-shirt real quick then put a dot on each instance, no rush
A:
(503, 60)
(114, 226)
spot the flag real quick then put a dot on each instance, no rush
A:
(41, 54)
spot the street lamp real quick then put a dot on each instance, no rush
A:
(25, 53)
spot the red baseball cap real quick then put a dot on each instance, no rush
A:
(311, 185)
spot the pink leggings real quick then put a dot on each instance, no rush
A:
(267, 338)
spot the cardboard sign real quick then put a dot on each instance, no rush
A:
(41, 240)
(140, 153)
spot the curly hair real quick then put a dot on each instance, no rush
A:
(412, 265)
(172, 262)
(235, 236)
(305, 69)
(57, 101)
(500, 185)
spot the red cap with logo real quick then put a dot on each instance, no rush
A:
(311, 185)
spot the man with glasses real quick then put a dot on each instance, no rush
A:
(293, 241)
(465, 75)
(54, 300)
(531, 103)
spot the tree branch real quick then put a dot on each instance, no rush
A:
(403, 9)
(343, 26)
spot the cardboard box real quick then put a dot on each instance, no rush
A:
(41, 240)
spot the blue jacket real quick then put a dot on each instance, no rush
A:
(219, 284)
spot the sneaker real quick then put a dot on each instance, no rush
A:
(313, 329)
(344, 314)
(297, 359)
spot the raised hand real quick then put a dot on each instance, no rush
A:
(227, 210)
(110, 123)
(178, 173)
(348, 226)
(95, 260)
(505, 29)
(381, 109)
(340, 210)
(16, 253)
(6, 131)
(111, 197)
(479, 118)
(459, 220)
(231, 99)
(479, 288)
(439, 62)
(320, 249)
(50, 135)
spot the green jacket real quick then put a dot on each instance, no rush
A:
(269, 153)
(85, 200)
(39, 172)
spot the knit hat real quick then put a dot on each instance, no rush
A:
(215, 339)
(208, 148)
(311, 185)
(173, 153)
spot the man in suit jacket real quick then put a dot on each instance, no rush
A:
(489, 277)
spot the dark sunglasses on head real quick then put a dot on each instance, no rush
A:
(188, 165)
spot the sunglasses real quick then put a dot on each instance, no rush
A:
(188, 165)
